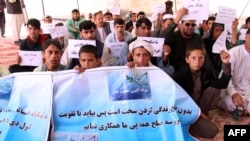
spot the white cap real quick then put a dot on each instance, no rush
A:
(134, 10)
(168, 16)
(140, 43)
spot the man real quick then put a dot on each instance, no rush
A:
(178, 40)
(33, 42)
(2, 17)
(130, 25)
(47, 23)
(47, 19)
(237, 94)
(140, 15)
(73, 23)
(14, 9)
(119, 35)
(108, 17)
(102, 28)
(166, 21)
(87, 32)
(206, 27)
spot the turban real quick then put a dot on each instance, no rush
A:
(140, 43)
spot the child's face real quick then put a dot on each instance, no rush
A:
(88, 60)
(52, 56)
(217, 31)
(195, 60)
(141, 56)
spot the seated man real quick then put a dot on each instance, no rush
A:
(33, 42)
(47, 20)
(51, 53)
(87, 31)
(237, 94)
(108, 17)
(131, 24)
(102, 28)
(64, 39)
(119, 35)
(73, 23)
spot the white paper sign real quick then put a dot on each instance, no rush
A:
(242, 34)
(115, 10)
(160, 8)
(46, 27)
(75, 45)
(59, 31)
(111, 25)
(225, 15)
(115, 48)
(157, 44)
(134, 10)
(220, 43)
(197, 9)
(31, 58)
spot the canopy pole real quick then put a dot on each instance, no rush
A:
(175, 6)
(43, 8)
(78, 5)
(244, 9)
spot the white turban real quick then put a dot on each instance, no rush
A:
(167, 16)
(140, 43)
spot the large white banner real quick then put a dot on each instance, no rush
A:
(25, 106)
(113, 103)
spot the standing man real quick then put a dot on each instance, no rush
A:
(14, 9)
(2, 17)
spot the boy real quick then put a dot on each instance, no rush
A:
(51, 53)
(88, 58)
(203, 87)
(33, 42)
(142, 53)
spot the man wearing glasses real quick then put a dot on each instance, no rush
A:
(178, 40)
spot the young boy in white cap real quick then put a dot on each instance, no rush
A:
(141, 52)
